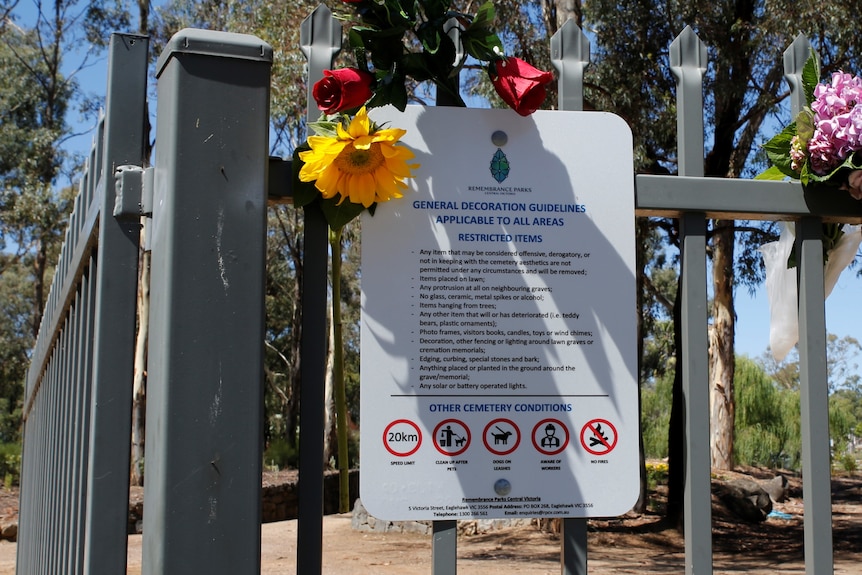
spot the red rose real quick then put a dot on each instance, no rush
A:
(519, 84)
(342, 89)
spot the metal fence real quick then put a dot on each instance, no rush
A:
(209, 192)
(75, 465)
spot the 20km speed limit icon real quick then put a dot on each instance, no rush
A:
(599, 436)
(402, 438)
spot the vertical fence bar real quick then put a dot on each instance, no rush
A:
(814, 387)
(814, 400)
(688, 61)
(320, 42)
(50, 479)
(570, 54)
(107, 482)
(444, 540)
(205, 368)
(82, 419)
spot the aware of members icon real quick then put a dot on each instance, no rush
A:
(550, 436)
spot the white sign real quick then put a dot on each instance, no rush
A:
(499, 356)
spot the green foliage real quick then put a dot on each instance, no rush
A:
(842, 419)
(10, 463)
(409, 42)
(767, 425)
(655, 416)
(34, 100)
(848, 463)
(845, 398)
(281, 454)
(657, 474)
(778, 151)
(767, 419)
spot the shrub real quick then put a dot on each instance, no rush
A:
(281, 454)
(10, 463)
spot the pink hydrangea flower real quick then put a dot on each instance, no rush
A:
(837, 122)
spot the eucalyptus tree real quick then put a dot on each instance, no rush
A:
(43, 48)
(745, 99)
(33, 103)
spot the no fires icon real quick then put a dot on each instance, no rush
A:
(599, 436)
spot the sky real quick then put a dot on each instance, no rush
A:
(843, 315)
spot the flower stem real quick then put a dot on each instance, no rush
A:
(338, 374)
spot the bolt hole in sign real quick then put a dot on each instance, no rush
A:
(498, 334)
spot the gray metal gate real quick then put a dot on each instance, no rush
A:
(208, 202)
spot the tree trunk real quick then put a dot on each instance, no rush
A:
(39, 265)
(139, 402)
(721, 344)
(330, 438)
(555, 13)
(292, 232)
(676, 427)
(641, 227)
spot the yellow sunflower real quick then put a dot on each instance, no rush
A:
(361, 163)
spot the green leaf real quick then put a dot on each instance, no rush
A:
(483, 45)
(413, 65)
(485, 16)
(337, 216)
(386, 49)
(435, 9)
(324, 127)
(771, 173)
(805, 124)
(479, 38)
(805, 174)
(849, 163)
(396, 15)
(810, 77)
(778, 150)
(355, 39)
(303, 192)
(390, 90)
(431, 36)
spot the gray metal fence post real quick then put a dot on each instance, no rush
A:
(444, 540)
(205, 368)
(570, 54)
(814, 400)
(688, 61)
(320, 41)
(114, 337)
(814, 387)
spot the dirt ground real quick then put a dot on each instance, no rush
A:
(638, 544)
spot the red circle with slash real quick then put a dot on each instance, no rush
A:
(599, 443)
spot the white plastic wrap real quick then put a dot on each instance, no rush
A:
(781, 283)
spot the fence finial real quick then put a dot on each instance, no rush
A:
(688, 60)
(794, 61)
(320, 42)
(570, 54)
